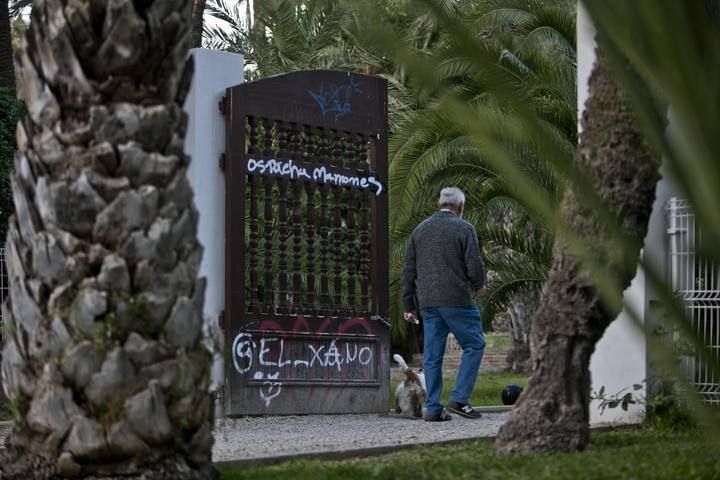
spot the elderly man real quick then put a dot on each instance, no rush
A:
(442, 270)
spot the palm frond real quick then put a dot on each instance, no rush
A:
(501, 291)
(17, 6)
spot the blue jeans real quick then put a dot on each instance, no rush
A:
(465, 324)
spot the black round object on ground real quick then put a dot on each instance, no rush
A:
(510, 394)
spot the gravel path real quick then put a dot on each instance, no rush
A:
(275, 438)
(272, 439)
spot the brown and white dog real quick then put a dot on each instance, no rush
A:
(410, 395)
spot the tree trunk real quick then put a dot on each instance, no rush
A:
(103, 362)
(553, 412)
(198, 10)
(521, 310)
(7, 70)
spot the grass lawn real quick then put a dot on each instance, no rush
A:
(639, 453)
(493, 340)
(487, 389)
(489, 385)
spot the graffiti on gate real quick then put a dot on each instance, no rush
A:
(322, 174)
(275, 360)
(334, 355)
(335, 99)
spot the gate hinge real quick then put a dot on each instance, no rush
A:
(222, 105)
(221, 320)
(221, 161)
(379, 318)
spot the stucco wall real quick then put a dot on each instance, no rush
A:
(205, 141)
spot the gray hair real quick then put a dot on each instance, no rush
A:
(451, 197)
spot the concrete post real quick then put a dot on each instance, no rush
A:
(205, 141)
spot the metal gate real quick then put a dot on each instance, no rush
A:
(307, 245)
(697, 281)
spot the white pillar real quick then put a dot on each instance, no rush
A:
(204, 142)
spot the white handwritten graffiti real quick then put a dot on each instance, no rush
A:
(277, 167)
(242, 352)
(319, 174)
(264, 350)
(269, 389)
(263, 359)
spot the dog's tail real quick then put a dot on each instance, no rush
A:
(399, 359)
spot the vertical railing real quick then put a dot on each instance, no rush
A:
(309, 240)
(696, 281)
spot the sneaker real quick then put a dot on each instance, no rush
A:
(439, 417)
(464, 410)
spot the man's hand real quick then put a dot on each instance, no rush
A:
(410, 317)
(480, 290)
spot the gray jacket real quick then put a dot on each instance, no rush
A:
(442, 264)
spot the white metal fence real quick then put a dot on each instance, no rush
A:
(697, 282)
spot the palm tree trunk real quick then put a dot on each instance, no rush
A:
(553, 412)
(198, 10)
(7, 70)
(103, 363)
(520, 311)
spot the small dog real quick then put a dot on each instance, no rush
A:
(410, 395)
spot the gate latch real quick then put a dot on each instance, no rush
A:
(379, 318)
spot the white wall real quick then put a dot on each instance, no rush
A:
(585, 57)
(620, 358)
(204, 142)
